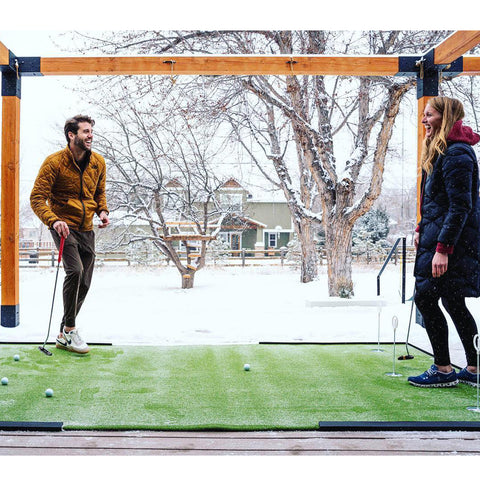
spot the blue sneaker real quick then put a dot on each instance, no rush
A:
(434, 378)
(464, 376)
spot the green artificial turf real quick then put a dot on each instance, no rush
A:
(206, 387)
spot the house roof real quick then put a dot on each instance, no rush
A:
(174, 183)
(232, 183)
(246, 220)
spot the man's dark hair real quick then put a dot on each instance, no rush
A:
(71, 125)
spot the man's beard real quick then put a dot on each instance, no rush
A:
(78, 142)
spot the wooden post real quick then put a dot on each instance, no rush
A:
(10, 199)
(422, 102)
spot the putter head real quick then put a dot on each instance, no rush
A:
(406, 357)
(45, 351)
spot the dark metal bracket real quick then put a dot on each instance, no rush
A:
(18, 67)
(429, 76)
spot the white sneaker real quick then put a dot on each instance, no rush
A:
(72, 342)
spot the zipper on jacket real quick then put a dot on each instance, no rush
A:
(81, 171)
(81, 199)
(80, 195)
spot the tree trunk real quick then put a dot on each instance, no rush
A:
(338, 245)
(309, 270)
(187, 280)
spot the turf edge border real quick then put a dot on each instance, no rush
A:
(32, 426)
(398, 426)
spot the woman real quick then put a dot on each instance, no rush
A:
(447, 239)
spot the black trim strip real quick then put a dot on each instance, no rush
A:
(398, 426)
(32, 426)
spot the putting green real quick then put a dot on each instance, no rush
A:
(206, 387)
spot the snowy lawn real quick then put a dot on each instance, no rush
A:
(228, 305)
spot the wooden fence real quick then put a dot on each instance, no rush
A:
(45, 257)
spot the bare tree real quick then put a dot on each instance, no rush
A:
(267, 139)
(340, 126)
(360, 111)
(161, 182)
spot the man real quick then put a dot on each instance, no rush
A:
(68, 191)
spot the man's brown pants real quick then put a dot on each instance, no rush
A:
(78, 262)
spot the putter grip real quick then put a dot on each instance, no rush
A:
(60, 249)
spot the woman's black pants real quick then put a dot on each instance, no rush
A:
(437, 328)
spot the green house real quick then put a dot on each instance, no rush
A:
(256, 223)
(259, 222)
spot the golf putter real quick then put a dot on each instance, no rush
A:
(60, 252)
(408, 356)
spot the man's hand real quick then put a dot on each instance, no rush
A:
(105, 220)
(439, 264)
(416, 239)
(61, 228)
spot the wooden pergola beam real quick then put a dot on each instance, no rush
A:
(455, 46)
(228, 65)
(221, 65)
(4, 55)
(471, 65)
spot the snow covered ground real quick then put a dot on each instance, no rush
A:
(146, 306)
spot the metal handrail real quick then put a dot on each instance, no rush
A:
(404, 265)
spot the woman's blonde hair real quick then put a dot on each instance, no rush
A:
(451, 110)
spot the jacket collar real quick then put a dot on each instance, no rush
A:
(462, 133)
(71, 157)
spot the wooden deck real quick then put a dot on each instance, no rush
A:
(155, 443)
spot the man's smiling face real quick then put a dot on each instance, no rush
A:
(83, 138)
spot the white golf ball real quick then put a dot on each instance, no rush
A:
(49, 392)
(246, 367)
(4, 381)
(16, 357)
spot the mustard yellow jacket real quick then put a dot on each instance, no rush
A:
(62, 192)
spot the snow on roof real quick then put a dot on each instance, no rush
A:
(262, 195)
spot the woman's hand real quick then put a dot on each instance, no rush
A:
(439, 264)
(416, 239)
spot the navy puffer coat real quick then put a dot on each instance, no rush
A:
(451, 217)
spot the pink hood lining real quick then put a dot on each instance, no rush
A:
(462, 133)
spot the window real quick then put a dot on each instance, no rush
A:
(272, 240)
(234, 239)
(224, 237)
(232, 201)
